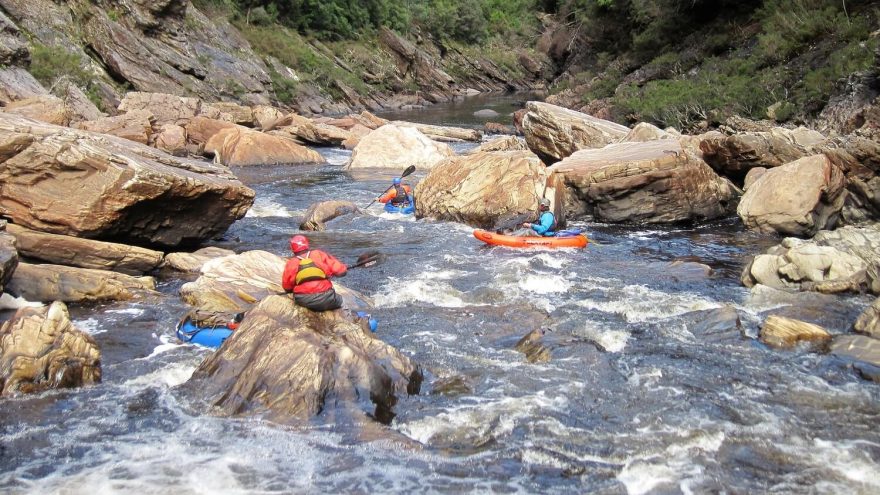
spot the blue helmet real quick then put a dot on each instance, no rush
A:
(396, 181)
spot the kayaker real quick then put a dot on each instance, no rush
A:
(398, 194)
(308, 275)
(545, 225)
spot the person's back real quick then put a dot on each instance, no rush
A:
(307, 275)
(398, 194)
(545, 224)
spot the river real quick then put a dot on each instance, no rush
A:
(638, 397)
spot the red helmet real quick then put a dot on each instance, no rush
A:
(299, 243)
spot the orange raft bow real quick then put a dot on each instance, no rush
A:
(491, 238)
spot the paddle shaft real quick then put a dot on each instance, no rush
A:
(407, 171)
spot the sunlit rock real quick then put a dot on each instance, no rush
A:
(489, 190)
(868, 322)
(504, 143)
(71, 182)
(442, 133)
(200, 130)
(48, 283)
(241, 148)
(193, 262)
(238, 114)
(644, 131)
(648, 182)
(842, 260)
(135, 126)
(534, 350)
(84, 253)
(45, 108)
(798, 198)
(554, 133)
(396, 147)
(288, 363)
(320, 213)
(41, 349)
(779, 331)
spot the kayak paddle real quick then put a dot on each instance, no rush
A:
(367, 259)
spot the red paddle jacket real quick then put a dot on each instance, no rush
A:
(330, 265)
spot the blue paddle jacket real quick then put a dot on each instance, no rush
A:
(544, 226)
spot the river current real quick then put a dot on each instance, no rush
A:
(638, 397)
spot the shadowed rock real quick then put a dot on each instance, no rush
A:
(84, 253)
(288, 363)
(64, 283)
(320, 213)
(8, 256)
(65, 181)
(865, 351)
(41, 349)
(868, 322)
(531, 346)
(652, 182)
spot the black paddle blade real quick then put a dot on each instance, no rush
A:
(409, 170)
(367, 259)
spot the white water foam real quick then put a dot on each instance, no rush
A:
(610, 340)
(642, 474)
(263, 207)
(638, 303)
(170, 376)
(429, 288)
(90, 326)
(9, 302)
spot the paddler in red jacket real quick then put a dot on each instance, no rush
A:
(308, 274)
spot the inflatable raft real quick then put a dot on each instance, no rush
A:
(563, 239)
(406, 209)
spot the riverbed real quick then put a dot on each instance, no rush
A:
(637, 397)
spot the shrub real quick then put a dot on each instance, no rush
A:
(48, 64)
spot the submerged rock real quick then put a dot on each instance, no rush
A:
(653, 182)
(320, 213)
(288, 363)
(779, 331)
(865, 351)
(41, 349)
(193, 262)
(65, 181)
(534, 350)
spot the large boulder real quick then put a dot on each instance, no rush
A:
(443, 133)
(733, 156)
(488, 190)
(41, 349)
(858, 155)
(200, 130)
(16, 83)
(64, 283)
(193, 262)
(45, 108)
(504, 143)
(288, 363)
(652, 182)
(864, 351)
(322, 134)
(165, 108)
(172, 139)
(241, 148)
(554, 133)
(84, 253)
(233, 284)
(112, 189)
(799, 198)
(238, 114)
(136, 126)
(843, 260)
(79, 105)
(868, 322)
(322, 212)
(396, 147)
(8, 257)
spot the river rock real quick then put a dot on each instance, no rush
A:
(69, 284)
(8, 258)
(733, 156)
(486, 113)
(16, 83)
(779, 331)
(868, 322)
(644, 131)
(506, 143)
(718, 325)
(489, 190)
(554, 133)
(651, 182)
(80, 107)
(41, 349)
(320, 213)
(864, 350)
(135, 126)
(233, 284)
(171, 139)
(288, 363)
(111, 188)
(165, 108)
(193, 262)
(752, 176)
(799, 198)
(45, 108)
(322, 134)
(396, 147)
(265, 116)
(200, 130)
(531, 346)
(84, 253)
(858, 155)
(443, 133)
(241, 148)
(238, 114)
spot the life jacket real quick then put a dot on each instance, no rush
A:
(553, 227)
(401, 197)
(308, 270)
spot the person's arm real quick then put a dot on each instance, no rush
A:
(388, 196)
(544, 224)
(331, 266)
(288, 278)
